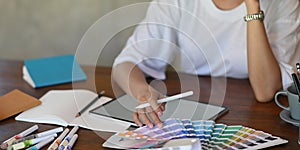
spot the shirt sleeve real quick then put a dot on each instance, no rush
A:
(153, 44)
(283, 33)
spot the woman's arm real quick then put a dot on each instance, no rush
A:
(263, 68)
(132, 80)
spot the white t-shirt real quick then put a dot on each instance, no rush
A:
(196, 37)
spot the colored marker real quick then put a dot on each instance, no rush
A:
(56, 143)
(41, 144)
(10, 141)
(67, 139)
(42, 134)
(71, 143)
(174, 97)
(28, 143)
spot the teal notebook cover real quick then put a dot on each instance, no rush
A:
(54, 70)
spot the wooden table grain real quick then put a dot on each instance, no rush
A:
(236, 94)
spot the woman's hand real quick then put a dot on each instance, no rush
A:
(151, 114)
(131, 80)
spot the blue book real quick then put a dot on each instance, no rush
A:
(49, 71)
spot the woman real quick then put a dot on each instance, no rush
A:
(233, 38)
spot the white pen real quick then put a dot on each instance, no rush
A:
(42, 134)
(18, 136)
(167, 99)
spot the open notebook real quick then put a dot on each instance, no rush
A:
(61, 106)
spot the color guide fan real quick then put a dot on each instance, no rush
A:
(211, 135)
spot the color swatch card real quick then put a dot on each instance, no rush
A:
(210, 134)
(52, 70)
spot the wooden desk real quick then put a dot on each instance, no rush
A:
(244, 110)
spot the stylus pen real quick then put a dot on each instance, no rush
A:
(90, 104)
(167, 99)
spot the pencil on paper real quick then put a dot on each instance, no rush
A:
(167, 99)
(90, 104)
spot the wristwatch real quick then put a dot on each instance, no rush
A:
(257, 16)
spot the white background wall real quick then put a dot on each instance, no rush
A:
(40, 28)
